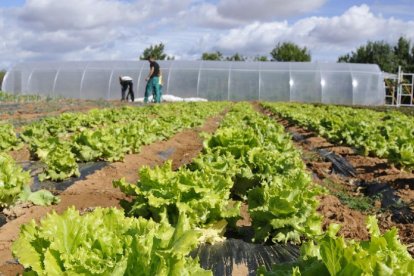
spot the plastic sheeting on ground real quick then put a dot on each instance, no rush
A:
(172, 99)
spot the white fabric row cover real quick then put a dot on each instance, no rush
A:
(336, 83)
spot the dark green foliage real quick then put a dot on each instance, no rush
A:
(219, 56)
(387, 57)
(2, 74)
(261, 58)
(156, 51)
(236, 57)
(403, 55)
(288, 51)
(377, 52)
(212, 56)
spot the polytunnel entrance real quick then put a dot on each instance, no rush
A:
(399, 88)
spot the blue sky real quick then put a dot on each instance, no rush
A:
(11, 3)
(35, 30)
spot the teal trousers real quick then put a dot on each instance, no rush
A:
(153, 87)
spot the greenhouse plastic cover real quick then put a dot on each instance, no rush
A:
(336, 83)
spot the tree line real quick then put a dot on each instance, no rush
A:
(386, 55)
(286, 51)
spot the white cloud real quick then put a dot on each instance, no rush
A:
(83, 29)
(355, 24)
(235, 13)
(253, 37)
(324, 36)
(266, 9)
(62, 42)
(50, 15)
(206, 15)
(113, 29)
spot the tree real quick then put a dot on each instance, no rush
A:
(261, 58)
(2, 74)
(402, 49)
(236, 57)
(288, 51)
(344, 59)
(377, 52)
(212, 56)
(157, 51)
(411, 69)
(403, 55)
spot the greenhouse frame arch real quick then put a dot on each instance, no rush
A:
(332, 83)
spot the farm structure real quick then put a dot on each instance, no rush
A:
(287, 169)
(330, 83)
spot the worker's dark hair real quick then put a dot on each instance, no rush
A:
(150, 57)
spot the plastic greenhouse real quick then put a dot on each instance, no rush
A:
(337, 83)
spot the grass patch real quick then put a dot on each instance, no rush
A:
(359, 203)
(332, 186)
(310, 156)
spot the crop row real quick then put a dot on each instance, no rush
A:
(7, 97)
(248, 159)
(384, 134)
(253, 159)
(108, 134)
(63, 141)
(329, 254)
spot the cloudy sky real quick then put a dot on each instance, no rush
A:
(122, 29)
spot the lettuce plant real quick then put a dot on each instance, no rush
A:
(8, 138)
(329, 254)
(13, 180)
(104, 242)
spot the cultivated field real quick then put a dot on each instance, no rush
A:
(204, 188)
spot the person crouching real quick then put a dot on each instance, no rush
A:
(126, 83)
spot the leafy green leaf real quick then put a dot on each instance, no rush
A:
(104, 242)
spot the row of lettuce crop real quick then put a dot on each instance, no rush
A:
(8, 97)
(248, 159)
(384, 134)
(199, 195)
(329, 254)
(107, 134)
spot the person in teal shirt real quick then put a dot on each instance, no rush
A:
(153, 82)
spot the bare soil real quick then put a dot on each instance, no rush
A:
(97, 190)
(21, 155)
(352, 221)
(245, 219)
(240, 270)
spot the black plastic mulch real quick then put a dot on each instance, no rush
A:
(222, 257)
(401, 212)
